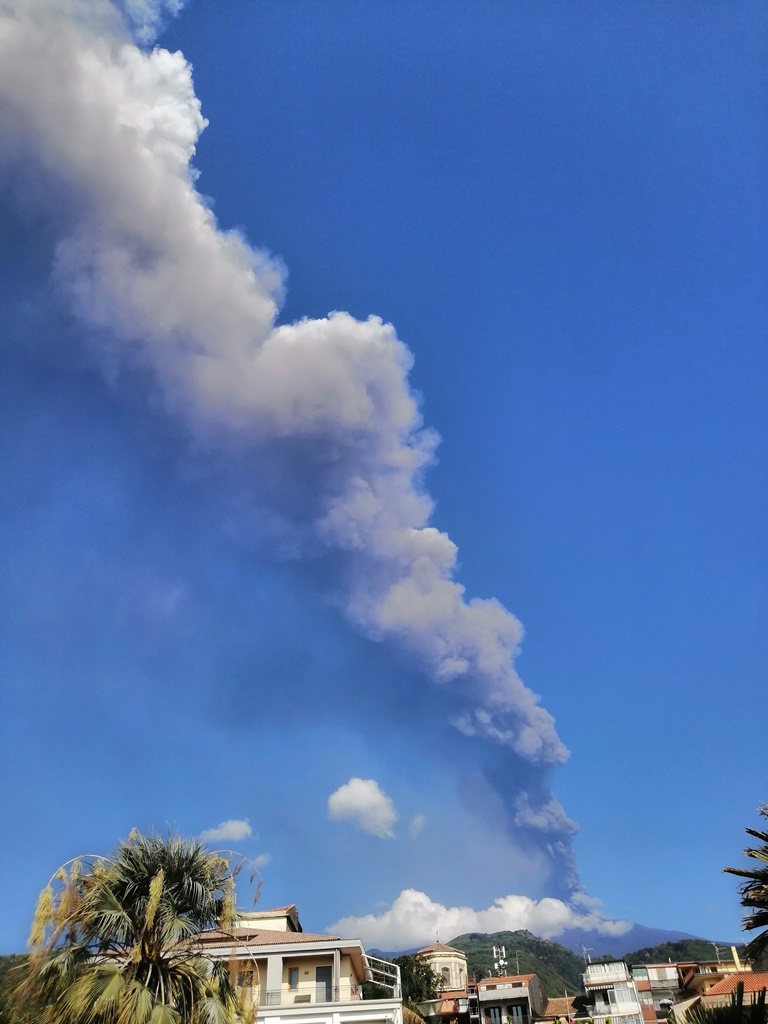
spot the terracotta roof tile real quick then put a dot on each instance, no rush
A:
(261, 937)
(559, 1006)
(440, 947)
(754, 981)
(505, 979)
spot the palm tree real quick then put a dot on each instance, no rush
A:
(754, 890)
(114, 940)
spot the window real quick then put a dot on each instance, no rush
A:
(494, 1014)
(446, 974)
(293, 978)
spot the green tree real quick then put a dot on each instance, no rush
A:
(754, 890)
(417, 979)
(113, 940)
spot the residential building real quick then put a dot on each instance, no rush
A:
(450, 1007)
(301, 978)
(519, 997)
(698, 978)
(658, 988)
(720, 994)
(612, 993)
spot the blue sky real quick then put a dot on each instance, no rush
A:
(223, 599)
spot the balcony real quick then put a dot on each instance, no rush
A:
(597, 975)
(502, 992)
(311, 994)
(626, 1015)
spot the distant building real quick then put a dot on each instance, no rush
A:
(448, 963)
(658, 988)
(698, 978)
(516, 998)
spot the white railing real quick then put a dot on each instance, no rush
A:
(617, 1017)
(385, 973)
(311, 993)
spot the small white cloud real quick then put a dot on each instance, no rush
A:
(414, 919)
(417, 824)
(262, 860)
(363, 803)
(232, 829)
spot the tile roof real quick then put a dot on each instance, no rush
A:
(505, 979)
(450, 1005)
(440, 947)
(559, 1006)
(261, 937)
(754, 981)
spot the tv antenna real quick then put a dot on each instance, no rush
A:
(499, 959)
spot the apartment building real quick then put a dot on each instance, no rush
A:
(612, 994)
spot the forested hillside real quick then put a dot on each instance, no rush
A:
(558, 968)
(692, 950)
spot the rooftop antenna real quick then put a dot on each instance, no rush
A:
(717, 952)
(499, 959)
(585, 953)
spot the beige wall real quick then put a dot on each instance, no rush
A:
(451, 966)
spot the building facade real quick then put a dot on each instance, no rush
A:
(511, 999)
(612, 994)
(304, 978)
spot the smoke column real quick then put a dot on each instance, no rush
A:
(112, 128)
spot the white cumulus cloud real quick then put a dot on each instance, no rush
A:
(414, 919)
(233, 829)
(362, 802)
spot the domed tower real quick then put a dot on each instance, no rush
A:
(448, 963)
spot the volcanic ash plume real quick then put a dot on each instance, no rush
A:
(110, 131)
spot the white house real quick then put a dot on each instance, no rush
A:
(518, 996)
(300, 978)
